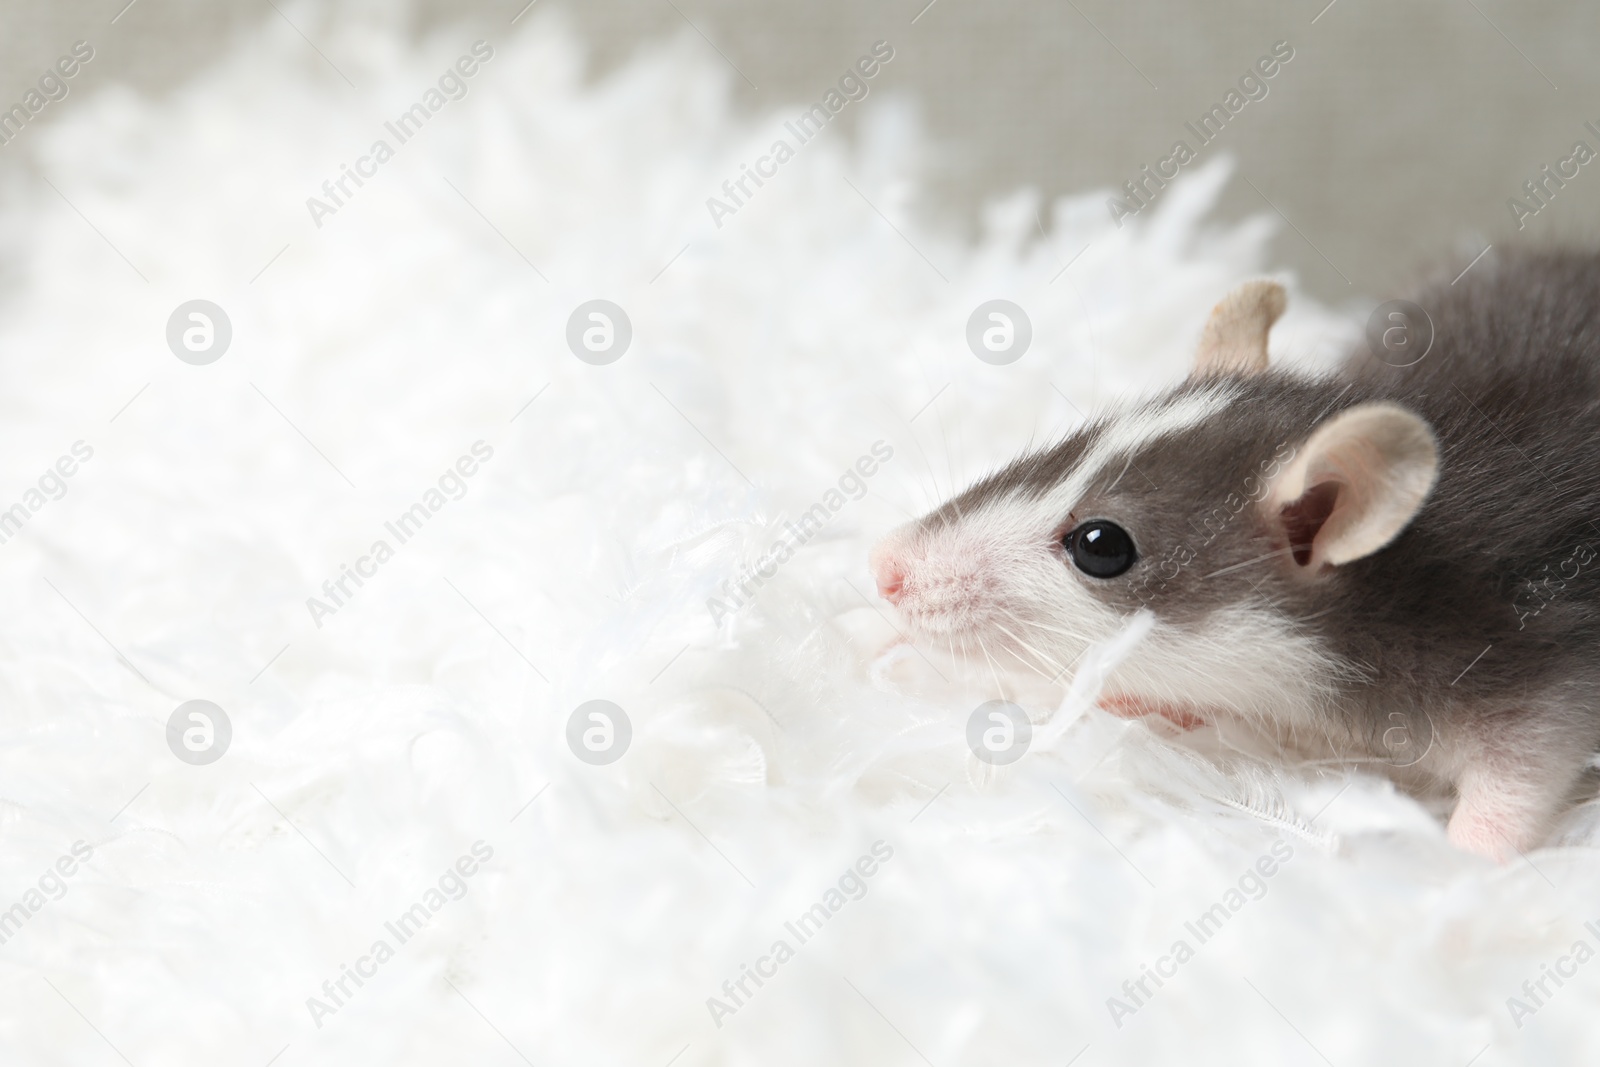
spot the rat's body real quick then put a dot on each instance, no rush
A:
(1391, 564)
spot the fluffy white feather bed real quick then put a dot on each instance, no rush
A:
(770, 750)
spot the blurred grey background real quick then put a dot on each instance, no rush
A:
(1396, 135)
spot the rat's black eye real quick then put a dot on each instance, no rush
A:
(1100, 549)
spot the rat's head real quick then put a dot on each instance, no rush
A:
(1240, 495)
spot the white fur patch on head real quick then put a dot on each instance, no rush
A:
(1128, 434)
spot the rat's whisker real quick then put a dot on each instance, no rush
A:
(1031, 666)
(994, 670)
(1248, 563)
(892, 504)
(1046, 660)
(1034, 624)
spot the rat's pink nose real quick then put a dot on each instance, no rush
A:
(889, 573)
(891, 583)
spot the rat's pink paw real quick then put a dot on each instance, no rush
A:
(1491, 842)
(1480, 826)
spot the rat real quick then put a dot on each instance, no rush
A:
(1397, 564)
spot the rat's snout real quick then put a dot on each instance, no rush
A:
(888, 570)
(938, 583)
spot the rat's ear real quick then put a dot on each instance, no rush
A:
(1354, 485)
(1235, 337)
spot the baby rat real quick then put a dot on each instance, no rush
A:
(1394, 563)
